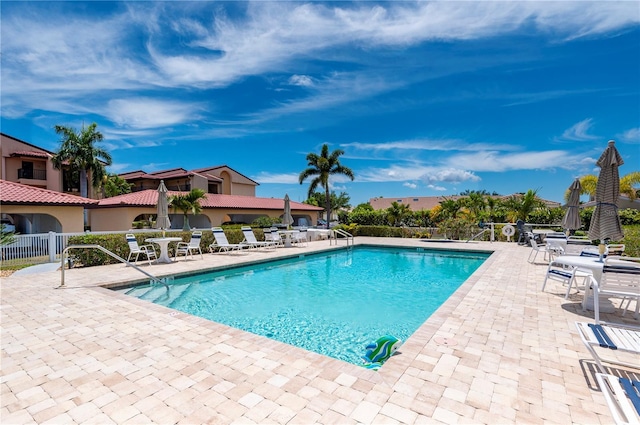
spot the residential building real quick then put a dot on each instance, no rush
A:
(220, 179)
(37, 198)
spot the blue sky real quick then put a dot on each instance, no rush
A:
(425, 98)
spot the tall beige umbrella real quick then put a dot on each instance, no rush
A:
(162, 221)
(287, 218)
(605, 221)
(571, 220)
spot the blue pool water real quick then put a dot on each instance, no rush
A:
(333, 303)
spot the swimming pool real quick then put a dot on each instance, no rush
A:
(332, 303)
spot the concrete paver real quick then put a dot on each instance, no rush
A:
(498, 351)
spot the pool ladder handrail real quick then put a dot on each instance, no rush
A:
(106, 251)
(346, 235)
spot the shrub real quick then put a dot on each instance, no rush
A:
(263, 222)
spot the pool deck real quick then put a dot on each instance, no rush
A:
(498, 351)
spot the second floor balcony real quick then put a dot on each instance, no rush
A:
(30, 174)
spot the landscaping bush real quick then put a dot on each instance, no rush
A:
(631, 240)
(117, 244)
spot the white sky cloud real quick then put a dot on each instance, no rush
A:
(42, 51)
(286, 178)
(149, 113)
(497, 162)
(301, 80)
(579, 132)
(410, 185)
(630, 136)
(438, 188)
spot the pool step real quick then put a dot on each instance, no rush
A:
(156, 293)
(175, 293)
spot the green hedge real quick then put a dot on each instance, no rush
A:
(117, 244)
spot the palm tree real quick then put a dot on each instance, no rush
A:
(189, 203)
(114, 185)
(322, 166)
(80, 152)
(520, 206)
(398, 213)
(628, 185)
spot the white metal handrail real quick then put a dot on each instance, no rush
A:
(106, 251)
(342, 233)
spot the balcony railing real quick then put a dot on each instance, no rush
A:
(32, 174)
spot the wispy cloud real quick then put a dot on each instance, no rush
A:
(415, 172)
(427, 145)
(285, 178)
(579, 132)
(630, 136)
(218, 48)
(410, 185)
(143, 113)
(493, 161)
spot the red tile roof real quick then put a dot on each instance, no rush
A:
(150, 198)
(15, 193)
(165, 174)
(174, 172)
(33, 154)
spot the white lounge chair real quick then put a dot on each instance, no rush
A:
(188, 248)
(251, 241)
(566, 275)
(222, 243)
(620, 279)
(622, 396)
(599, 338)
(136, 249)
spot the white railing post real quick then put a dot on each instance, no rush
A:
(52, 247)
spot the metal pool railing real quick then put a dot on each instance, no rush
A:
(106, 251)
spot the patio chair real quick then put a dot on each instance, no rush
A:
(622, 396)
(272, 235)
(188, 248)
(136, 249)
(222, 243)
(299, 237)
(251, 241)
(537, 248)
(622, 340)
(615, 249)
(620, 279)
(567, 275)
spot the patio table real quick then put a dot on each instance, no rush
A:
(163, 243)
(591, 265)
(287, 237)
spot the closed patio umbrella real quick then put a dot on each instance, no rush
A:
(287, 218)
(605, 221)
(163, 222)
(571, 220)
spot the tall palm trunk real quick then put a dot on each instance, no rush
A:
(328, 207)
(84, 192)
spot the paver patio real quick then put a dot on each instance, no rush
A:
(498, 351)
